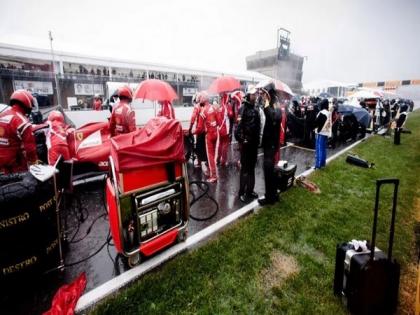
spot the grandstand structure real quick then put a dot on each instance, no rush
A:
(79, 77)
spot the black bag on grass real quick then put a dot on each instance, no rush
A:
(356, 160)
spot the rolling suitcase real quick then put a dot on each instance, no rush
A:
(368, 281)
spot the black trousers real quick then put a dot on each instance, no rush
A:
(249, 154)
(397, 135)
(269, 176)
(200, 147)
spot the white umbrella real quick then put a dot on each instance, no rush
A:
(367, 94)
(278, 85)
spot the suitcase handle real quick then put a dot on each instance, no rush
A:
(379, 183)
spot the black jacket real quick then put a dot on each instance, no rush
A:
(248, 129)
(271, 133)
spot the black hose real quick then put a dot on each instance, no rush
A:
(72, 241)
(91, 255)
(204, 193)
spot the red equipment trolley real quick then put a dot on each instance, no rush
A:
(147, 189)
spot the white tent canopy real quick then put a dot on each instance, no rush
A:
(366, 94)
(324, 84)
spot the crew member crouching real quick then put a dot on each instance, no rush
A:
(123, 118)
(17, 142)
(57, 138)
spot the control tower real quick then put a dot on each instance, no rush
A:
(279, 63)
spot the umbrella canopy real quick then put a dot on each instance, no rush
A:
(324, 95)
(278, 86)
(224, 84)
(155, 90)
(345, 109)
(361, 114)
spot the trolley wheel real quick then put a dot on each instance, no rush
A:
(134, 260)
(182, 236)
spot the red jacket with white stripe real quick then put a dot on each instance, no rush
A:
(57, 142)
(223, 118)
(123, 119)
(197, 119)
(211, 120)
(167, 110)
(17, 142)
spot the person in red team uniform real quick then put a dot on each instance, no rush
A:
(17, 142)
(211, 123)
(197, 119)
(283, 130)
(97, 102)
(236, 101)
(57, 138)
(166, 110)
(224, 129)
(123, 118)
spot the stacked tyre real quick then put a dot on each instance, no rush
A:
(29, 238)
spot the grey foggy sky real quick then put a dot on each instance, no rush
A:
(350, 41)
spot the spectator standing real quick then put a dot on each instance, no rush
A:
(323, 132)
(247, 134)
(270, 142)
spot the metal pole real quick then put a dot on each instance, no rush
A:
(3, 96)
(57, 87)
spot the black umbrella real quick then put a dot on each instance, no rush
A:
(345, 109)
(361, 114)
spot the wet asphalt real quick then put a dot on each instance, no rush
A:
(87, 228)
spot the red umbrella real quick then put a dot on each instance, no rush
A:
(155, 90)
(224, 84)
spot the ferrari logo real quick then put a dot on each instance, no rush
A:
(1, 131)
(79, 136)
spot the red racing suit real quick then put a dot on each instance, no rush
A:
(97, 105)
(212, 123)
(122, 120)
(283, 130)
(17, 142)
(166, 110)
(197, 119)
(223, 118)
(57, 142)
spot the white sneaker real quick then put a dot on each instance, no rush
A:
(204, 168)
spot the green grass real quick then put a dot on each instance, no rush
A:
(224, 276)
